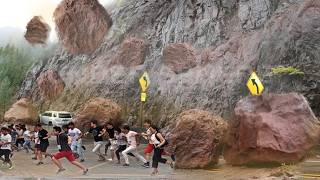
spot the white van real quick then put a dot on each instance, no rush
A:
(55, 118)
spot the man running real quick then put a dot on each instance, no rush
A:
(133, 143)
(65, 151)
(76, 141)
(108, 130)
(5, 149)
(96, 131)
(44, 142)
(147, 135)
(27, 140)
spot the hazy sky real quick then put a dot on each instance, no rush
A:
(17, 13)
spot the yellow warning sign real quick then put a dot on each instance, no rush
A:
(143, 97)
(255, 85)
(144, 82)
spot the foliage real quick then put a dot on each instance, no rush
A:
(14, 64)
(281, 70)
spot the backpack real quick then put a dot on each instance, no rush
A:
(166, 141)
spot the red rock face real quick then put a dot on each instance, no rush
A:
(50, 85)
(179, 57)
(22, 112)
(196, 139)
(275, 128)
(132, 52)
(37, 31)
(100, 109)
(81, 25)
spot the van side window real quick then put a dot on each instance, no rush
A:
(47, 114)
(54, 115)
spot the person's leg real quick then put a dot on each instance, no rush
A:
(155, 160)
(57, 162)
(125, 154)
(7, 158)
(120, 149)
(96, 150)
(137, 155)
(80, 150)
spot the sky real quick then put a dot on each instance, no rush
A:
(17, 13)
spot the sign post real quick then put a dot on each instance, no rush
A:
(144, 84)
(254, 85)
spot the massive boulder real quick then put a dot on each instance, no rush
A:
(22, 112)
(132, 52)
(50, 84)
(274, 128)
(100, 109)
(197, 138)
(38, 31)
(179, 57)
(81, 25)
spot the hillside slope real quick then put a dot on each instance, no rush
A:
(198, 53)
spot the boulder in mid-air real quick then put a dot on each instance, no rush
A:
(38, 31)
(22, 112)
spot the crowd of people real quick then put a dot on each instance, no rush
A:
(120, 141)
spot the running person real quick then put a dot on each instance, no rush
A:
(76, 141)
(159, 143)
(44, 142)
(109, 131)
(36, 143)
(27, 140)
(121, 143)
(147, 135)
(65, 151)
(5, 149)
(133, 143)
(20, 139)
(96, 131)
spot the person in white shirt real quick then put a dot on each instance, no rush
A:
(27, 140)
(76, 140)
(133, 142)
(35, 137)
(5, 149)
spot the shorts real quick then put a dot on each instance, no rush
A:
(43, 147)
(148, 149)
(114, 144)
(6, 153)
(37, 146)
(65, 154)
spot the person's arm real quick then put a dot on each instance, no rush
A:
(162, 140)
(102, 132)
(88, 132)
(137, 136)
(47, 136)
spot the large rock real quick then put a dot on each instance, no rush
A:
(179, 57)
(50, 84)
(274, 128)
(22, 112)
(81, 25)
(132, 52)
(196, 139)
(100, 109)
(38, 31)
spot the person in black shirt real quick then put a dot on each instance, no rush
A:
(96, 131)
(44, 142)
(108, 131)
(65, 151)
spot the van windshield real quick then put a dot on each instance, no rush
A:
(64, 115)
(47, 114)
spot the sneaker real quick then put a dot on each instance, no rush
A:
(126, 165)
(39, 163)
(146, 165)
(110, 160)
(83, 147)
(34, 158)
(85, 172)
(60, 170)
(82, 160)
(11, 167)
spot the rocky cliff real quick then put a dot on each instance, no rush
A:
(198, 53)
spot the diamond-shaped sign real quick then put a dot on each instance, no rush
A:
(254, 85)
(144, 82)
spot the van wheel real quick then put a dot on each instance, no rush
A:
(50, 123)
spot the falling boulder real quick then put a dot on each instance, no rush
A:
(100, 109)
(132, 52)
(274, 128)
(81, 25)
(50, 84)
(197, 138)
(179, 57)
(38, 31)
(22, 112)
